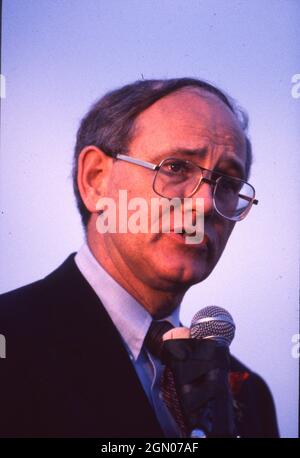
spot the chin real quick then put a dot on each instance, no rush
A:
(194, 276)
(184, 274)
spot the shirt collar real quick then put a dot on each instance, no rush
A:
(130, 318)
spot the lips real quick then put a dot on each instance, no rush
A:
(179, 237)
(182, 234)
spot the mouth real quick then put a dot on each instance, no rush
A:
(182, 237)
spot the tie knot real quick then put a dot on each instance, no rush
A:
(153, 340)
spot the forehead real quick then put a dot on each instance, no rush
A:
(190, 118)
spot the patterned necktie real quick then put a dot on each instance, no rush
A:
(154, 343)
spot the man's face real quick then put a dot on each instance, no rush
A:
(194, 120)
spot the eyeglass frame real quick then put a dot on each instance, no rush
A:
(156, 167)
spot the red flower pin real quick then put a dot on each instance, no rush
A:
(236, 380)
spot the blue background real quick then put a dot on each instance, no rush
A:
(59, 56)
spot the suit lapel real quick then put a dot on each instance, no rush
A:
(88, 347)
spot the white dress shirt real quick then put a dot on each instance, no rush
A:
(132, 322)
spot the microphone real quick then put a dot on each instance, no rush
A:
(215, 324)
(200, 366)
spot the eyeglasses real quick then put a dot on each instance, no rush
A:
(232, 197)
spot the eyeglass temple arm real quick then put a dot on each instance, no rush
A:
(213, 182)
(133, 160)
(254, 201)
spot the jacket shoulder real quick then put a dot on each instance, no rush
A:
(22, 307)
(254, 397)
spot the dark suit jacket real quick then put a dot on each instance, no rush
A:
(67, 373)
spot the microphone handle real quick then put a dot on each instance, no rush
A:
(200, 368)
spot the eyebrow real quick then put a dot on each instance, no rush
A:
(201, 153)
(231, 164)
(191, 152)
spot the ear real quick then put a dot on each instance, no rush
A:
(94, 168)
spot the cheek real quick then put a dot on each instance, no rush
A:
(218, 230)
(224, 232)
(132, 196)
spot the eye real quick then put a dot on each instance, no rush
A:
(176, 167)
(228, 185)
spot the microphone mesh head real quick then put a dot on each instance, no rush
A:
(213, 322)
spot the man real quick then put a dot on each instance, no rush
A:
(77, 363)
